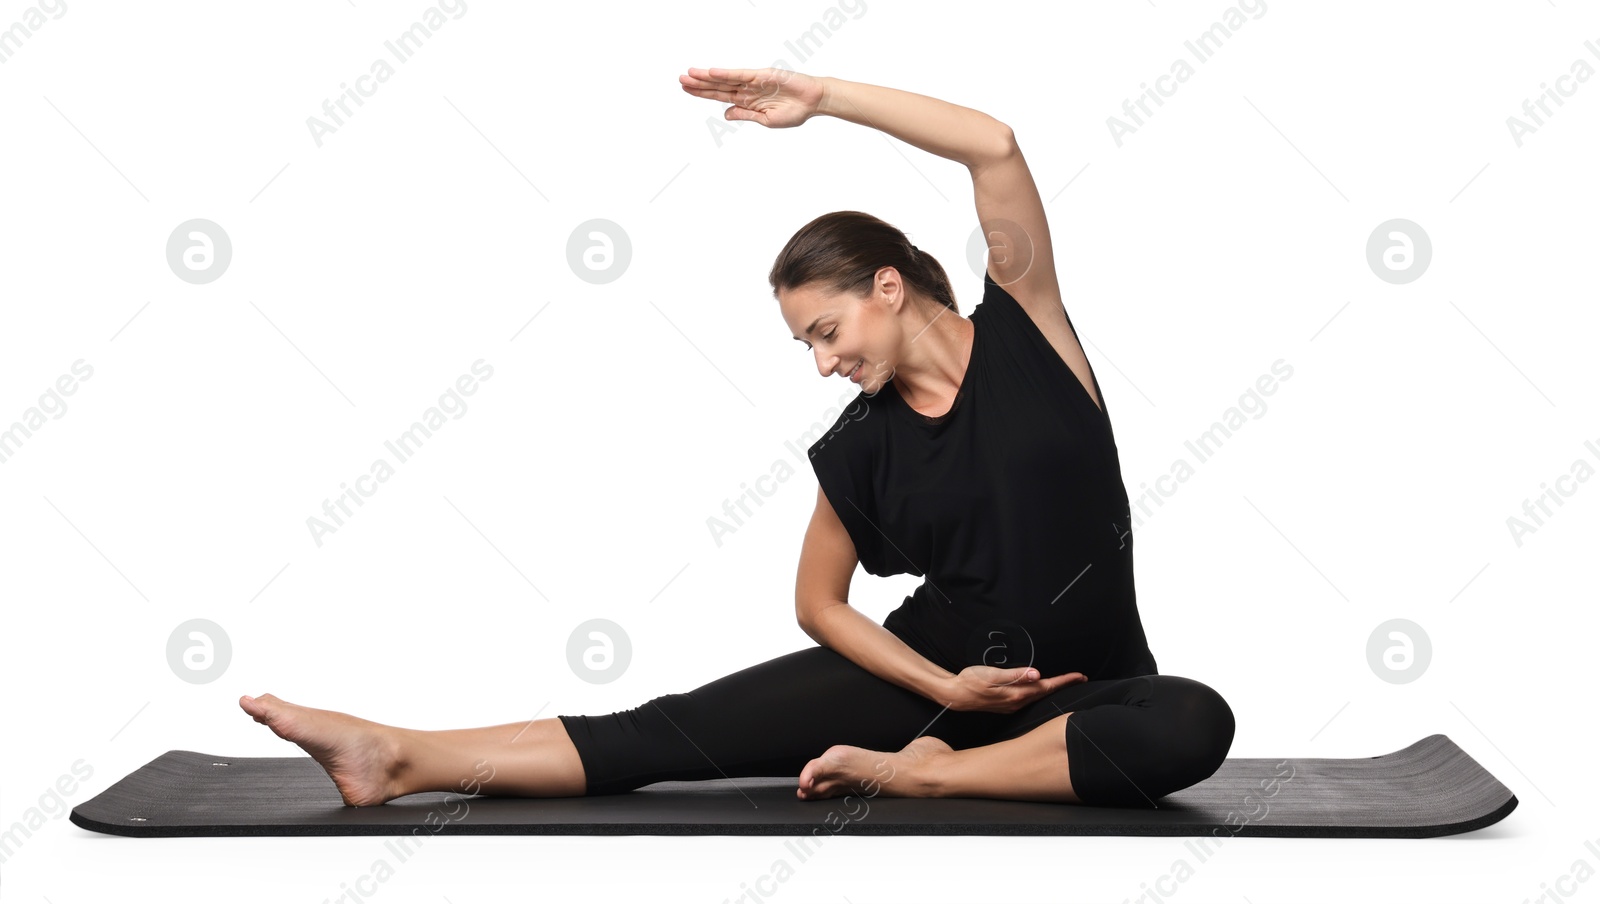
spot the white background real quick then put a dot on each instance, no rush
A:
(1227, 232)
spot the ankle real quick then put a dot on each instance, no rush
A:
(929, 775)
(406, 758)
(916, 776)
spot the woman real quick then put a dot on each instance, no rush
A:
(979, 455)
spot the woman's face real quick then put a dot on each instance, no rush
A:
(848, 336)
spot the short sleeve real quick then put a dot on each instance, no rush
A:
(843, 460)
(1019, 341)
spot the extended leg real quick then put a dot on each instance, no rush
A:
(521, 759)
(371, 762)
(768, 719)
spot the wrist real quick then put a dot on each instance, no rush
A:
(938, 687)
(825, 106)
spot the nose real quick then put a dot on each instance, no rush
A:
(826, 364)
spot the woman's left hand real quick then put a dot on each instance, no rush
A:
(776, 98)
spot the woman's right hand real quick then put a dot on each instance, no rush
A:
(984, 688)
(776, 98)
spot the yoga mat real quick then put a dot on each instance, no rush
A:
(1427, 789)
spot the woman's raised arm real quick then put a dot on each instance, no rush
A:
(939, 127)
(779, 98)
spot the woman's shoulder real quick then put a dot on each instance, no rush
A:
(1046, 345)
(853, 431)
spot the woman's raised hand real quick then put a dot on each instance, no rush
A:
(776, 98)
(984, 688)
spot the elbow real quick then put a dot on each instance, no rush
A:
(1005, 140)
(806, 614)
(805, 617)
(1002, 144)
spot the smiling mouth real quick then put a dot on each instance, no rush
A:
(852, 374)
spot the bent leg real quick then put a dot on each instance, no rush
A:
(768, 719)
(1030, 766)
(1131, 741)
(1122, 742)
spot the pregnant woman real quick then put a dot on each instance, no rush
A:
(978, 455)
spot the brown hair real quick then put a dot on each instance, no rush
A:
(845, 249)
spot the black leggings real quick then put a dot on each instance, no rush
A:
(1129, 740)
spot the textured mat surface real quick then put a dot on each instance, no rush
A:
(1429, 788)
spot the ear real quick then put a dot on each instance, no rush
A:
(887, 281)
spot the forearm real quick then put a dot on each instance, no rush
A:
(843, 629)
(952, 131)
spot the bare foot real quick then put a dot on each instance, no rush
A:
(361, 757)
(843, 769)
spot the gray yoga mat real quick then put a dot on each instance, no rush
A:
(1429, 788)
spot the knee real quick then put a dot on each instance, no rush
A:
(1167, 734)
(1205, 727)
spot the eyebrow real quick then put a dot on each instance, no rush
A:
(811, 327)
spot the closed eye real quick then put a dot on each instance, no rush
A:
(828, 336)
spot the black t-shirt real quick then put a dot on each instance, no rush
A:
(1010, 506)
